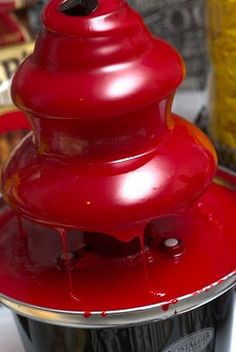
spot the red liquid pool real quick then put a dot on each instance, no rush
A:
(31, 267)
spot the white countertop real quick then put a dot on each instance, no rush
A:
(189, 104)
(9, 338)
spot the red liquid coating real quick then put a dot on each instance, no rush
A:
(107, 157)
(29, 270)
(118, 198)
(106, 154)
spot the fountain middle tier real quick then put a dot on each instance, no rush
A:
(119, 196)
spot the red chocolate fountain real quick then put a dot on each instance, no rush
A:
(114, 218)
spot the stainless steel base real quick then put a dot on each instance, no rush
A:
(205, 329)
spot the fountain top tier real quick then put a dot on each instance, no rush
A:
(106, 154)
(100, 65)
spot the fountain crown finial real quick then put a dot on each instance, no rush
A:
(62, 16)
(78, 7)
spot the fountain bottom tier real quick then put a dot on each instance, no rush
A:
(92, 279)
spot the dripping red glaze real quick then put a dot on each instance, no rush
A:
(87, 314)
(165, 307)
(102, 281)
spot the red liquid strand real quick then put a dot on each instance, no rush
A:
(22, 233)
(66, 258)
(153, 294)
(144, 262)
(22, 248)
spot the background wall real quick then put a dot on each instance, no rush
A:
(182, 23)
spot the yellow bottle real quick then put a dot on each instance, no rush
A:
(222, 102)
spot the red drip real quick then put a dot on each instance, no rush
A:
(165, 307)
(64, 240)
(87, 314)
